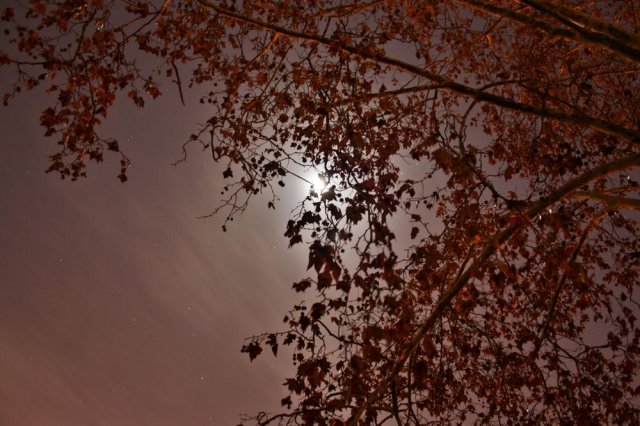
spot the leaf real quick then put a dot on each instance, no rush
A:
(253, 349)
(414, 232)
(286, 402)
(272, 341)
(301, 286)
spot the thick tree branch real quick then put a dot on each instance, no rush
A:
(591, 28)
(625, 46)
(489, 249)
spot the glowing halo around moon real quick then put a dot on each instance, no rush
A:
(318, 182)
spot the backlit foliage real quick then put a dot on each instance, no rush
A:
(474, 257)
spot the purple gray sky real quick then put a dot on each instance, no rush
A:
(119, 306)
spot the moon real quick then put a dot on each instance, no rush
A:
(318, 182)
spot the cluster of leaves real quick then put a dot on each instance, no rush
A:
(475, 254)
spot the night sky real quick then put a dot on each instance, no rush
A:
(118, 306)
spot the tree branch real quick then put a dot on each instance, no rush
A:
(611, 201)
(489, 249)
(593, 123)
(591, 28)
(579, 34)
(178, 82)
(563, 279)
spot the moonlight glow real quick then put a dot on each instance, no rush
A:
(318, 182)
